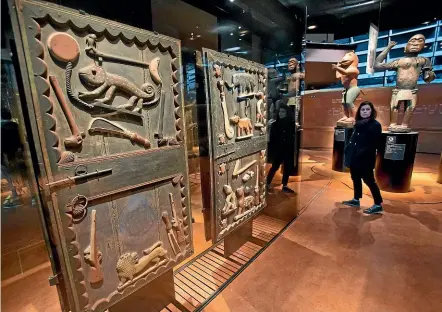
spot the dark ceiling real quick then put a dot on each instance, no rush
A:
(346, 18)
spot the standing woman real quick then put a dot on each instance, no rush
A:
(360, 156)
(282, 146)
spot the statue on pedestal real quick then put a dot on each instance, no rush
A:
(347, 70)
(408, 69)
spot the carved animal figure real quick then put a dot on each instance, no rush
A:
(244, 82)
(244, 125)
(129, 266)
(96, 76)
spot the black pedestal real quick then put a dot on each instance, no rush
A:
(395, 161)
(341, 138)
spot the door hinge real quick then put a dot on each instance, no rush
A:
(54, 280)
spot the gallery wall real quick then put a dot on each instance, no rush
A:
(321, 110)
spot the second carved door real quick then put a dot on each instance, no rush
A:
(234, 153)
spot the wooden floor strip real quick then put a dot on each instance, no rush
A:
(204, 278)
(237, 257)
(189, 291)
(225, 261)
(185, 303)
(217, 269)
(201, 268)
(173, 308)
(220, 264)
(199, 294)
(197, 282)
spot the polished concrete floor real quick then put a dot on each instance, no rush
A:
(332, 258)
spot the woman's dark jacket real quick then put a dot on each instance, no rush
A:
(282, 143)
(361, 149)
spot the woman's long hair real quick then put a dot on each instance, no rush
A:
(283, 105)
(374, 112)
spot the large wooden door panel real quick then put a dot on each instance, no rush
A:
(236, 144)
(108, 113)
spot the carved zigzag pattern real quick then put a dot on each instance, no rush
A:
(176, 100)
(40, 70)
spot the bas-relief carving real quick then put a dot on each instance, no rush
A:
(237, 90)
(92, 255)
(244, 84)
(408, 70)
(130, 268)
(104, 126)
(248, 196)
(57, 74)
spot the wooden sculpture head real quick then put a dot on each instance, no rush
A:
(292, 64)
(416, 44)
(350, 59)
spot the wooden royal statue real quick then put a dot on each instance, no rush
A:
(408, 69)
(347, 70)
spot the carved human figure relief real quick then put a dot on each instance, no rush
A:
(230, 202)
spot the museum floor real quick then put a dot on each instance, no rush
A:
(332, 258)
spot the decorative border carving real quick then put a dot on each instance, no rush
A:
(235, 62)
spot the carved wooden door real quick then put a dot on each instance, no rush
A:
(233, 169)
(105, 101)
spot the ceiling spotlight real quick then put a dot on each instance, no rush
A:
(426, 23)
(231, 34)
(198, 36)
(312, 27)
(241, 39)
(232, 0)
(291, 44)
(197, 27)
(239, 27)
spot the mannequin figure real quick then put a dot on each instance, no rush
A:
(347, 70)
(408, 69)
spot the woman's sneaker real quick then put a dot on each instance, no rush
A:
(286, 189)
(374, 210)
(352, 202)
